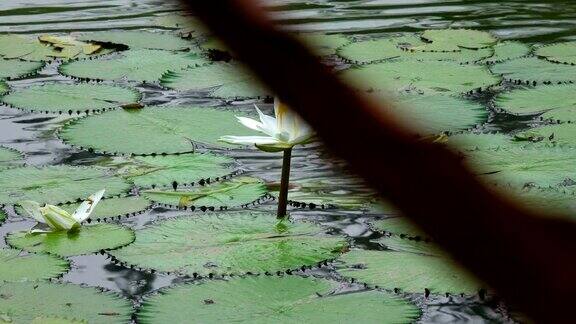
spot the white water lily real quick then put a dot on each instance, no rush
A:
(56, 218)
(283, 131)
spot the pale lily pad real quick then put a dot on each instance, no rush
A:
(14, 266)
(89, 239)
(46, 48)
(184, 24)
(10, 158)
(542, 166)
(154, 130)
(239, 191)
(409, 272)
(288, 299)
(324, 44)
(556, 102)
(177, 170)
(401, 226)
(532, 70)
(220, 80)
(453, 39)
(59, 98)
(411, 245)
(139, 39)
(481, 141)
(25, 301)
(506, 51)
(232, 242)
(56, 320)
(420, 77)
(135, 65)
(57, 184)
(564, 53)
(14, 69)
(562, 134)
(550, 202)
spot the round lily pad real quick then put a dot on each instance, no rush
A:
(233, 193)
(398, 226)
(557, 102)
(177, 170)
(507, 51)
(10, 158)
(45, 48)
(564, 53)
(532, 70)
(57, 184)
(229, 243)
(452, 39)
(87, 240)
(409, 272)
(220, 80)
(139, 39)
(288, 299)
(25, 301)
(540, 166)
(13, 69)
(59, 97)
(154, 130)
(135, 65)
(421, 77)
(17, 267)
(324, 44)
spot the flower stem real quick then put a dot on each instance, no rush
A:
(284, 184)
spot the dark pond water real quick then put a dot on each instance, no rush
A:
(530, 21)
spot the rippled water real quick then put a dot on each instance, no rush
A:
(33, 134)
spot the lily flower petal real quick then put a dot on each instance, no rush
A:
(248, 140)
(250, 123)
(86, 208)
(269, 125)
(58, 219)
(32, 208)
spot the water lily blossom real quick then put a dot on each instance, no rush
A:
(56, 218)
(283, 131)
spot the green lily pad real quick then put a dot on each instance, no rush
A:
(10, 158)
(453, 39)
(553, 202)
(233, 193)
(31, 267)
(57, 184)
(557, 102)
(288, 299)
(324, 44)
(182, 169)
(25, 301)
(185, 24)
(13, 69)
(56, 320)
(542, 166)
(420, 77)
(135, 65)
(564, 53)
(59, 97)
(139, 39)
(410, 245)
(409, 272)
(532, 70)
(3, 216)
(482, 141)
(506, 51)
(220, 80)
(562, 134)
(87, 240)
(398, 226)
(3, 87)
(154, 130)
(231, 242)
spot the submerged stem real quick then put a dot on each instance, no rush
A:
(284, 184)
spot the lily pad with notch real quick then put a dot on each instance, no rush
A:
(564, 53)
(506, 51)
(18, 266)
(447, 40)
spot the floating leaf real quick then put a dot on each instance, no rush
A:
(232, 242)
(31, 267)
(551, 202)
(87, 240)
(507, 51)
(453, 39)
(479, 141)
(67, 47)
(411, 245)
(26, 301)
(543, 166)
(562, 135)
(13, 69)
(378, 49)
(533, 70)
(182, 169)
(221, 80)
(557, 102)
(288, 299)
(185, 24)
(59, 97)
(408, 271)
(56, 184)
(560, 53)
(421, 77)
(33, 49)
(134, 65)
(399, 226)
(236, 192)
(154, 130)
(324, 44)
(139, 39)
(10, 158)
(56, 320)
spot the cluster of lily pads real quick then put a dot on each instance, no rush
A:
(171, 157)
